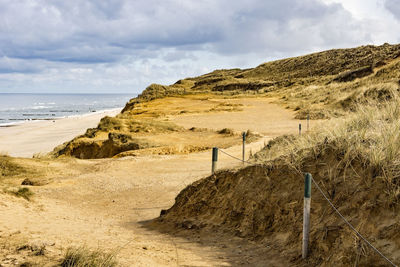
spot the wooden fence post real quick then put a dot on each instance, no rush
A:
(299, 128)
(308, 122)
(306, 213)
(244, 146)
(214, 159)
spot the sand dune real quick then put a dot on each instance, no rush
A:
(102, 202)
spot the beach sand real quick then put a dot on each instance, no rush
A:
(29, 138)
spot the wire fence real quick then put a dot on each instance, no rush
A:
(229, 155)
(350, 225)
(316, 185)
(333, 207)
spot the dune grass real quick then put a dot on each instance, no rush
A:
(371, 136)
(23, 192)
(84, 257)
(8, 167)
(306, 83)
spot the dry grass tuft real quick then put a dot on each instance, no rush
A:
(23, 192)
(226, 131)
(370, 136)
(83, 257)
(8, 167)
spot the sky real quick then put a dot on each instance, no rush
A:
(122, 46)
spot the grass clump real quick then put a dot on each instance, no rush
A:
(83, 257)
(226, 131)
(109, 123)
(370, 137)
(23, 192)
(8, 167)
(151, 126)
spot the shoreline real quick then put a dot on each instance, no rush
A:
(21, 122)
(41, 136)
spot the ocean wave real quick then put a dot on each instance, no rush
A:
(44, 103)
(8, 124)
(20, 108)
(40, 107)
(64, 111)
(37, 114)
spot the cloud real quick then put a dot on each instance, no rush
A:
(105, 31)
(288, 27)
(393, 6)
(146, 41)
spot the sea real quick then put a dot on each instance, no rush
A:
(19, 108)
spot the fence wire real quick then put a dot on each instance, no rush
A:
(226, 153)
(351, 226)
(334, 208)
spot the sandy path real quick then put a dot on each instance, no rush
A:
(26, 139)
(101, 203)
(259, 115)
(104, 208)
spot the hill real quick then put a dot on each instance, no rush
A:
(324, 85)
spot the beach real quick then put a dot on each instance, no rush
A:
(32, 137)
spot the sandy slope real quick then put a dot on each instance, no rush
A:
(261, 115)
(101, 203)
(26, 139)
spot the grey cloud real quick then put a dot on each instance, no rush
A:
(105, 31)
(77, 31)
(178, 55)
(12, 65)
(123, 36)
(393, 6)
(290, 26)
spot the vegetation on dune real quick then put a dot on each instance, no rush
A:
(370, 137)
(23, 192)
(322, 85)
(8, 167)
(338, 67)
(337, 99)
(83, 257)
(115, 135)
(148, 129)
(353, 159)
(127, 124)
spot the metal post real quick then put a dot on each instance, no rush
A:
(308, 122)
(299, 128)
(244, 146)
(214, 159)
(306, 213)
